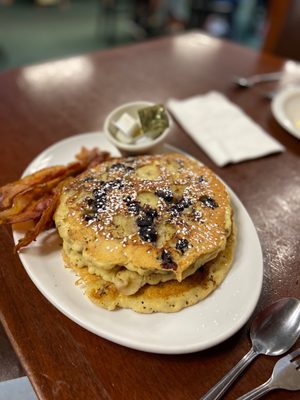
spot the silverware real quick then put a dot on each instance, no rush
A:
(273, 332)
(286, 375)
(270, 95)
(259, 78)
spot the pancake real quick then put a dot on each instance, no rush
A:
(167, 297)
(144, 220)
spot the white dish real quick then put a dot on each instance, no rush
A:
(133, 148)
(286, 109)
(195, 328)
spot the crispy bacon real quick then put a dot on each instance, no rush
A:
(9, 191)
(45, 218)
(86, 159)
(35, 196)
(31, 200)
(32, 212)
(92, 157)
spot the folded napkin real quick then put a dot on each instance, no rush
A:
(222, 129)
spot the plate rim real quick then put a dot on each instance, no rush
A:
(278, 112)
(129, 342)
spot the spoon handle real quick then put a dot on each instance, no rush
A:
(272, 76)
(221, 387)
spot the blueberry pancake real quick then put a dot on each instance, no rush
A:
(131, 224)
(165, 297)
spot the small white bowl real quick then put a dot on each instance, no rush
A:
(132, 109)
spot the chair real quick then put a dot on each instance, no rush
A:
(283, 29)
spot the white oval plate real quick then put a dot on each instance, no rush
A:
(286, 109)
(195, 328)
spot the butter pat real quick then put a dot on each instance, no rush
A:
(127, 125)
(121, 137)
(143, 140)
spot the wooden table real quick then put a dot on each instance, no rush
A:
(42, 104)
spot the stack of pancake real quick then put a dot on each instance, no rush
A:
(152, 233)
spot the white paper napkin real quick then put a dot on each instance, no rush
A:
(222, 129)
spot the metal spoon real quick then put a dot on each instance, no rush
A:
(259, 78)
(273, 332)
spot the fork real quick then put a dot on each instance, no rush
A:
(286, 375)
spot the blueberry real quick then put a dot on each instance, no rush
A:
(132, 205)
(167, 260)
(185, 203)
(89, 217)
(150, 212)
(182, 245)
(100, 204)
(179, 206)
(208, 201)
(119, 166)
(165, 194)
(99, 193)
(148, 233)
(174, 211)
(116, 184)
(144, 221)
(88, 179)
(89, 201)
(128, 200)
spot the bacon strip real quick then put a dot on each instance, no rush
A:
(86, 159)
(35, 196)
(46, 217)
(28, 199)
(32, 212)
(9, 191)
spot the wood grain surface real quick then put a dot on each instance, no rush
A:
(42, 104)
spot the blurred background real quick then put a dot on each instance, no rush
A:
(33, 31)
